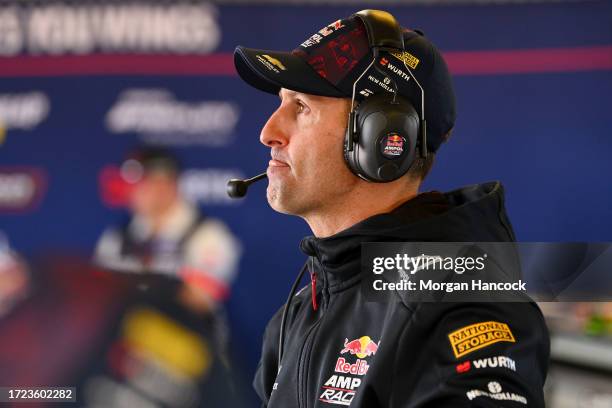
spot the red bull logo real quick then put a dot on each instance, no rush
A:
(360, 367)
(392, 145)
(361, 347)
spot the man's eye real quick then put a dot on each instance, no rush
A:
(300, 107)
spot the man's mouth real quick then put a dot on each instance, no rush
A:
(277, 163)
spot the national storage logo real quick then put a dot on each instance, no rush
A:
(476, 336)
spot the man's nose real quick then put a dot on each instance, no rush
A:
(274, 132)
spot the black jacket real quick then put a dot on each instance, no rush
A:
(402, 354)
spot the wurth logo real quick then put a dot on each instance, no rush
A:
(494, 362)
(490, 362)
(398, 71)
(385, 63)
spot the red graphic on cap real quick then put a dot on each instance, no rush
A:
(346, 51)
(337, 24)
(384, 61)
(335, 59)
(463, 367)
(318, 64)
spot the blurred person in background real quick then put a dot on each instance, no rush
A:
(170, 346)
(168, 235)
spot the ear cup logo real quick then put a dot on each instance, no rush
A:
(392, 145)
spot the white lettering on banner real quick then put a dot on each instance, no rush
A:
(208, 186)
(23, 110)
(57, 28)
(11, 39)
(21, 188)
(16, 190)
(161, 119)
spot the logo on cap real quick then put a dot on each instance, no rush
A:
(322, 33)
(274, 61)
(271, 63)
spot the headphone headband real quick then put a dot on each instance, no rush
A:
(382, 28)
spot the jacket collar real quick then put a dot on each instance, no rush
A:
(473, 213)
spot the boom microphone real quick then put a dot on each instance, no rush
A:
(237, 188)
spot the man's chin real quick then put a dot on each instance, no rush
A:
(279, 202)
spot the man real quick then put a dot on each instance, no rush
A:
(167, 235)
(338, 349)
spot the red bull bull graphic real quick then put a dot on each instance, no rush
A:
(392, 145)
(361, 347)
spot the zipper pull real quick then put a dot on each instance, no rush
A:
(313, 286)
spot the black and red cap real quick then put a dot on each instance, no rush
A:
(332, 59)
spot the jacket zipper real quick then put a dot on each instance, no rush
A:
(307, 348)
(303, 364)
(313, 289)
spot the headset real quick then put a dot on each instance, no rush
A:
(385, 130)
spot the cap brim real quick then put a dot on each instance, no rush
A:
(269, 71)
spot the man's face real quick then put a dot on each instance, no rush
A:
(307, 171)
(153, 194)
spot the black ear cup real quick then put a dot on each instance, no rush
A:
(383, 147)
